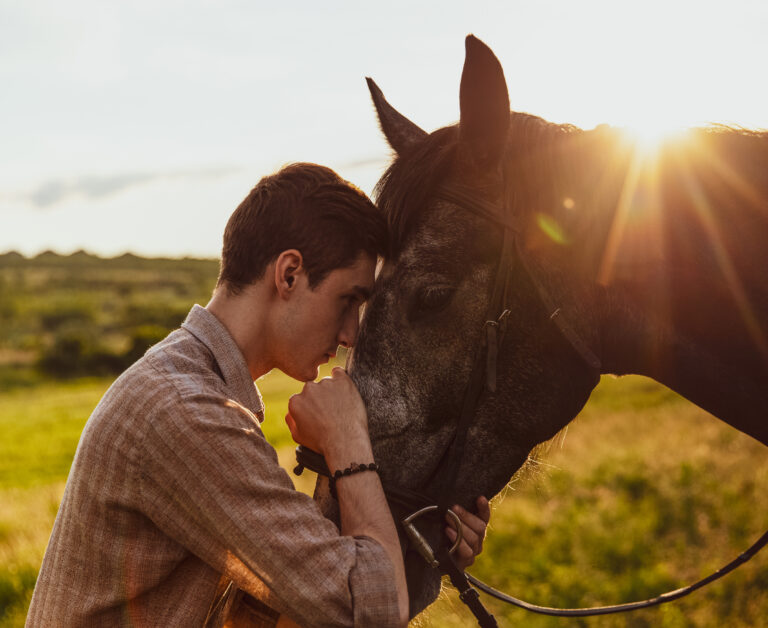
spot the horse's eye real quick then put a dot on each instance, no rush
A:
(431, 300)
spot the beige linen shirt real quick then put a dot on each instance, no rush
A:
(174, 491)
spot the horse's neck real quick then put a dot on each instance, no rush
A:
(700, 205)
(681, 275)
(645, 342)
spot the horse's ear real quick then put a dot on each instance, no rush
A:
(484, 104)
(400, 132)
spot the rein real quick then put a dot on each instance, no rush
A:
(483, 378)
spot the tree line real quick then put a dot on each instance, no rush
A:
(76, 315)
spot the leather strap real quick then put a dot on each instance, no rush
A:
(467, 594)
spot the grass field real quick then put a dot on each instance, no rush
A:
(643, 493)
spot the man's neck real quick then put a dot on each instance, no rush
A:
(245, 317)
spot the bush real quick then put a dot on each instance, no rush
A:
(65, 357)
(158, 314)
(65, 316)
(142, 339)
(76, 352)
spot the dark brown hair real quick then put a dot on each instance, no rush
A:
(306, 207)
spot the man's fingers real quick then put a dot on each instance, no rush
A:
(472, 521)
(291, 422)
(483, 508)
(473, 529)
(464, 554)
(296, 403)
(469, 538)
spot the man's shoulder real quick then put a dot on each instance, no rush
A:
(175, 387)
(176, 371)
(181, 364)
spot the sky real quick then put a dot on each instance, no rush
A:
(139, 126)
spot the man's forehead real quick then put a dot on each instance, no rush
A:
(362, 281)
(358, 278)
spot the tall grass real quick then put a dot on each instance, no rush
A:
(642, 493)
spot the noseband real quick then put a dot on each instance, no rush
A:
(483, 379)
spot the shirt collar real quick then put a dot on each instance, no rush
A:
(209, 330)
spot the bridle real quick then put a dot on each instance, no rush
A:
(483, 378)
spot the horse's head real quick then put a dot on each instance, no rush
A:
(426, 322)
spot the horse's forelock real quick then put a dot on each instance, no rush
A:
(403, 190)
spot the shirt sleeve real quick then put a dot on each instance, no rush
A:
(210, 480)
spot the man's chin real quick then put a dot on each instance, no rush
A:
(308, 372)
(303, 375)
(316, 370)
(310, 375)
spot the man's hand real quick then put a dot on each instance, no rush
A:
(329, 417)
(473, 529)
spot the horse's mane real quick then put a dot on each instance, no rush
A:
(547, 163)
(403, 190)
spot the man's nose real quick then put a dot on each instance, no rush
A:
(348, 332)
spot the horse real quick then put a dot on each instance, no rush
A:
(625, 261)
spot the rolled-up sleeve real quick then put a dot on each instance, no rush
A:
(371, 583)
(211, 481)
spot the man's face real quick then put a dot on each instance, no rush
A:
(322, 318)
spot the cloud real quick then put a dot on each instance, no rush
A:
(96, 187)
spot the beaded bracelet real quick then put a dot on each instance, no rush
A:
(350, 470)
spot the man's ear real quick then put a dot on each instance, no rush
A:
(289, 268)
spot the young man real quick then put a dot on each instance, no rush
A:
(176, 512)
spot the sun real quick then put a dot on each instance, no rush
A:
(651, 133)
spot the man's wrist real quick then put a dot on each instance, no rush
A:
(341, 453)
(352, 469)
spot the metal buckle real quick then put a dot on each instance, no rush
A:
(494, 332)
(420, 543)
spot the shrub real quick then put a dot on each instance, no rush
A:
(76, 352)
(142, 338)
(54, 320)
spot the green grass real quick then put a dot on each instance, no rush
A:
(642, 493)
(26, 519)
(40, 427)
